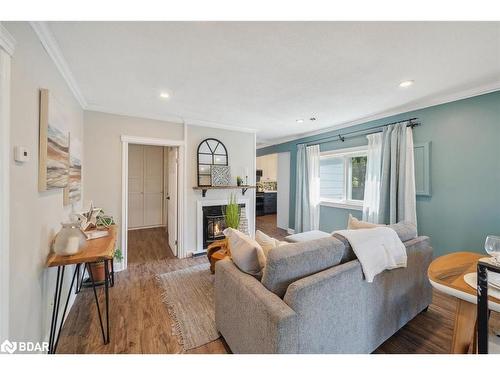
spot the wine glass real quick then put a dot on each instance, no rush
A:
(492, 247)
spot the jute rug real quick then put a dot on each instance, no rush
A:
(189, 296)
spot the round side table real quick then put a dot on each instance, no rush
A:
(446, 274)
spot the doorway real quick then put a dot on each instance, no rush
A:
(152, 198)
(273, 190)
(152, 201)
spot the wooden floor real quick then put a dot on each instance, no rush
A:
(140, 322)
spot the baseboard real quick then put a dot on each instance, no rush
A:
(290, 231)
(150, 227)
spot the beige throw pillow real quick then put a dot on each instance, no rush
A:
(354, 223)
(267, 242)
(246, 253)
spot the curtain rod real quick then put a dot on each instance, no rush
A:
(375, 129)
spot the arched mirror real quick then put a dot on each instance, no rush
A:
(211, 152)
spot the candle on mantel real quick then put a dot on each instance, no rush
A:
(246, 176)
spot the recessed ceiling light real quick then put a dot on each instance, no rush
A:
(406, 83)
(164, 95)
(299, 121)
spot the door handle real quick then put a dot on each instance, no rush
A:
(168, 198)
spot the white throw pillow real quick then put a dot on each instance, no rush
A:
(267, 242)
(246, 253)
(354, 223)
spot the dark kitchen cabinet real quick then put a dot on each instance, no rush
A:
(270, 203)
(266, 203)
(259, 204)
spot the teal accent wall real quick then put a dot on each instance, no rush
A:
(464, 202)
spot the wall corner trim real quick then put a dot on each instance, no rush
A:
(7, 41)
(49, 43)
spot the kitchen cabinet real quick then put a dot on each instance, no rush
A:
(266, 203)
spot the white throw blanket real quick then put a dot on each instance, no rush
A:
(377, 249)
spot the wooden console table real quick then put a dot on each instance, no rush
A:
(96, 251)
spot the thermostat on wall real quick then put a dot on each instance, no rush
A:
(21, 154)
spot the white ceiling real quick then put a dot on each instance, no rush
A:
(265, 75)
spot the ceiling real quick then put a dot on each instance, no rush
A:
(266, 75)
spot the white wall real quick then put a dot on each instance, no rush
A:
(269, 166)
(241, 154)
(6, 51)
(283, 199)
(34, 217)
(103, 149)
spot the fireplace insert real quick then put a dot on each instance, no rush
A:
(214, 223)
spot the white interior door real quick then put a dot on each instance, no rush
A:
(135, 186)
(165, 188)
(153, 186)
(172, 198)
(145, 186)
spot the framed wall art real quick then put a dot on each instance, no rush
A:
(53, 168)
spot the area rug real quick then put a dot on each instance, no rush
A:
(189, 296)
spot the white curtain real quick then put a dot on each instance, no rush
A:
(371, 203)
(307, 189)
(410, 211)
(397, 187)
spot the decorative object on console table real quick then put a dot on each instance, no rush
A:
(88, 219)
(102, 223)
(239, 181)
(211, 152)
(221, 175)
(70, 239)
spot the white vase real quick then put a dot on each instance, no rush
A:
(70, 239)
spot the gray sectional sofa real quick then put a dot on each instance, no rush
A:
(313, 299)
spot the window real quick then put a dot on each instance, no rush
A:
(342, 177)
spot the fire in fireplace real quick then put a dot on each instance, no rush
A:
(213, 224)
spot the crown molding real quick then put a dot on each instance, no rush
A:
(7, 41)
(215, 125)
(169, 118)
(50, 44)
(410, 107)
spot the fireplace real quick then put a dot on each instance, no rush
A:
(214, 223)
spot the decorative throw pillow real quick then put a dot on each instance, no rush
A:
(246, 253)
(267, 242)
(354, 223)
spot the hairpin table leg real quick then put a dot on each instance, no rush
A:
(106, 293)
(97, 303)
(55, 306)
